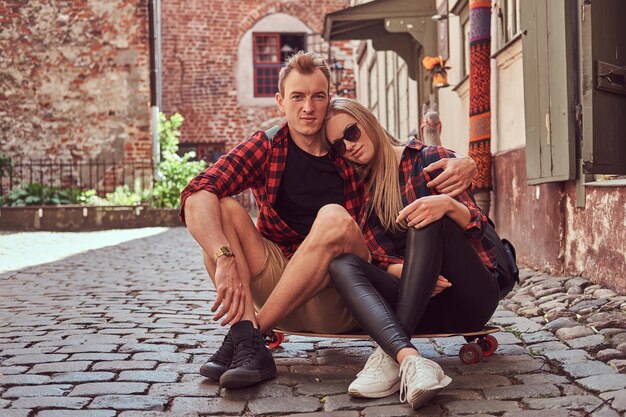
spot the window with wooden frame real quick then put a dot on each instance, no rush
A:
(270, 50)
(208, 152)
(509, 15)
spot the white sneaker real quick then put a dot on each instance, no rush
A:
(420, 380)
(378, 378)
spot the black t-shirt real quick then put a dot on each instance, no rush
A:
(308, 183)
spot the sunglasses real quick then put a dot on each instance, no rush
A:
(351, 133)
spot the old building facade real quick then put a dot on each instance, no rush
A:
(221, 59)
(74, 80)
(557, 126)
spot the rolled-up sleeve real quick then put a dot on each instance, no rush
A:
(241, 168)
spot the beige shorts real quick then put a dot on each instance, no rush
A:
(324, 313)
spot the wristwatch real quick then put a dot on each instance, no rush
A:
(223, 251)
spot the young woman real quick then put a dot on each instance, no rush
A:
(432, 267)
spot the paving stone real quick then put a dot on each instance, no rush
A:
(334, 414)
(207, 405)
(478, 381)
(28, 379)
(17, 413)
(148, 376)
(542, 378)
(37, 391)
(81, 413)
(322, 388)
(484, 406)
(13, 370)
(161, 357)
(33, 359)
(88, 348)
(129, 402)
(572, 402)
(98, 357)
(588, 342)
(48, 368)
(606, 355)
(147, 347)
(587, 368)
(122, 365)
(204, 389)
(401, 411)
(345, 402)
(105, 388)
(538, 413)
(568, 356)
(260, 391)
(541, 348)
(521, 391)
(538, 337)
(75, 403)
(603, 383)
(561, 322)
(155, 414)
(262, 406)
(568, 333)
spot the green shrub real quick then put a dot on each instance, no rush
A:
(174, 171)
(37, 194)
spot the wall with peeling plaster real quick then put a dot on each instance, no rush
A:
(550, 233)
(74, 79)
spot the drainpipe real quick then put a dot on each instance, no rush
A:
(154, 9)
(480, 96)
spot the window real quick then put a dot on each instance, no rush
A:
(373, 87)
(208, 152)
(465, 39)
(390, 87)
(270, 51)
(509, 15)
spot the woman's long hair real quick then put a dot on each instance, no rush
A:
(382, 171)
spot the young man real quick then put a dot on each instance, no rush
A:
(308, 203)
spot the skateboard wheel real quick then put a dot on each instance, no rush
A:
(489, 344)
(471, 353)
(276, 339)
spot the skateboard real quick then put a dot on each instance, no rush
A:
(479, 343)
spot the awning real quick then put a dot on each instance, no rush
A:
(402, 26)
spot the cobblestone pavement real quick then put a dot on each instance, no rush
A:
(122, 331)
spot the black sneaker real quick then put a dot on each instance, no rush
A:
(252, 361)
(220, 361)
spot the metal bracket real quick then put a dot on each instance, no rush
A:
(611, 78)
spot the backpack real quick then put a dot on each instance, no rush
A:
(507, 272)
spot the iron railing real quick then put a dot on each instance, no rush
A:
(101, 175)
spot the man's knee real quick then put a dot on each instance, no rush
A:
(229, 206)
(334, 223)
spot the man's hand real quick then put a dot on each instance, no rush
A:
(425, 210)
(441, 285)
(231, 294)
(456, 176)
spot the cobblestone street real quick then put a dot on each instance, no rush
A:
(122, 331)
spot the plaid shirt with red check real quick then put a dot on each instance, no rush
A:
(413, 179)
(258, 164)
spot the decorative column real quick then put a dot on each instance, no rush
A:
(480, 95)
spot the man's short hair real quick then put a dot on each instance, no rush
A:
(304, 63)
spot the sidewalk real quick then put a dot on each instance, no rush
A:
(122, 331)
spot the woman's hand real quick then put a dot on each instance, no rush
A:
(425, 210)
(441, 285)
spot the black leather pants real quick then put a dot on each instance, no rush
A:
(391, 309)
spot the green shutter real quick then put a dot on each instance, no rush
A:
(548, 90)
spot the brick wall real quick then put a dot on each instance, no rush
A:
(74, 79)
(199, 47)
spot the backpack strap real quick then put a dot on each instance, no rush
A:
(271, 132)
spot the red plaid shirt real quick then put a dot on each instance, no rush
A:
(259, 164)
(413, 181)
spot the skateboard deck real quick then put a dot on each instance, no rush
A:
(479, 343)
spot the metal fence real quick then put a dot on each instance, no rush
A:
(100, 175)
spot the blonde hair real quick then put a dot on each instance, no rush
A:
(381, 172)
(304, 63)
